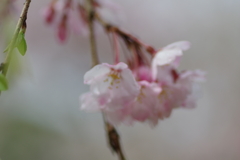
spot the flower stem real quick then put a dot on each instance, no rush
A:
(126, 36)
(21, 23)
(116, 48)
(93, 47)
(112, 134)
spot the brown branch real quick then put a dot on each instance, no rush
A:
(20, 25)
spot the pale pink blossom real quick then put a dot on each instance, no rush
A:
(112, 86)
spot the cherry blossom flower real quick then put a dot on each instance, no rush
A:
(111, 86)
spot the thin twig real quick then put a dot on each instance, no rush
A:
(21, 23)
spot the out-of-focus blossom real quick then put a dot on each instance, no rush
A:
(75, 15)
(160, 88)
(62, 30)
(56, 14)
(49, 13)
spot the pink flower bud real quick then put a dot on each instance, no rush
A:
(62, 30)
(49, 14)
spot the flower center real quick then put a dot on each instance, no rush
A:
(114, 77)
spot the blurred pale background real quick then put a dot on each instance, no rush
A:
(40, 117)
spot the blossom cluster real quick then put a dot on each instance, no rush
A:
(147, 93)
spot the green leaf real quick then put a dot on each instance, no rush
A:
(7, 48)
(3, 83)
(21, 44)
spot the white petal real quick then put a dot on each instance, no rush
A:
(124, 90)
(129, 80)
(165, 57)
(96, 72)
(88, 102)
(119, 66)
(182, 45)
(197, 75)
